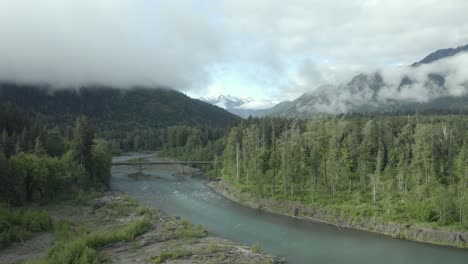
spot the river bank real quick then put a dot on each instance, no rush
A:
(164, 239)
(298, 210)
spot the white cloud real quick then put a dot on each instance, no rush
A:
(295, 45)
(453, 69)
(258, 104)
(122, 42)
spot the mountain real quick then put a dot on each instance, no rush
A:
(226, 101)
(231, 104)
(419, 89)
(111, 108)
(441, 54)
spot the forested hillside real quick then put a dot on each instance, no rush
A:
(396, 168)
(109, 108)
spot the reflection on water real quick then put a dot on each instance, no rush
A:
(296, 240)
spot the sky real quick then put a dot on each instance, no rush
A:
(269, 50)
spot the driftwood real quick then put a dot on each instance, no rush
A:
(321, 221)
(20, 238)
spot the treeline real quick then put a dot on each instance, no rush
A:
(400, 168)
(184, 142)
(39, 163)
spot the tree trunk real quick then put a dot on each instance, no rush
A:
(237, 162)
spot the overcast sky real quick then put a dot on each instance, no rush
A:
(264, 49)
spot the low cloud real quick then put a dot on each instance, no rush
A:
(424, 80)
(446, 77)
(257, 105)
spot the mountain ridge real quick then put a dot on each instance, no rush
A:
(365, 93)
(110, 107)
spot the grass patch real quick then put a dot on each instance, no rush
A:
(119, 209)
(214, 248)
(190, 231)
(84, 196)
(141, 210)
(63, 231)
(171, 255)
(130, 200)
(19, 223)
(82, 249)
(256, 248)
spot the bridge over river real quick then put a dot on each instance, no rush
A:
(146, 164)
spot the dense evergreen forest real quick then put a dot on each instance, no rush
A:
(40, 164)
(396, 168)
(109, 108)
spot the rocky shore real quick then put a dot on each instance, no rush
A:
(169, 239)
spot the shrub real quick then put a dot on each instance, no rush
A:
(130, 200)
(63, 231)
(18, 224)
(35, 220)
(83, 248)
(141, 210)
(191, 231)
(256, 248)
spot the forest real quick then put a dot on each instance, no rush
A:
(399, 168)
(42, 165)
(39, 164)
(395, 168)
(108, 108)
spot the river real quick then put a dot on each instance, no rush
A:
(295, 240)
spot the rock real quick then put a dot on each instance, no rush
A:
(296, 211)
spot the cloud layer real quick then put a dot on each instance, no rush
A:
(444, 78)
(295, 46)
(121, 42)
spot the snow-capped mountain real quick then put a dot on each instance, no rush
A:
(232, 104)
(227, 101)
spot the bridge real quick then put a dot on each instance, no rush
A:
(151, 163)
(145, 164)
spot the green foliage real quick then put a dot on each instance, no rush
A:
(214, 248)
(115, 109)
(18, 224)
(390, 168)
(35, 164)
(171, 255)
(63, 231)
(141, 210)
(84, 196)
(190, 231)
(101, 163)
(82, 144)
(126, 233)
(76, 251)
(256, 248)
(120, 209)
(82, 249)
(130, 200)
